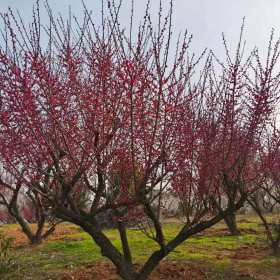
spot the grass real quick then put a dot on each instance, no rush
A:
(212, 249)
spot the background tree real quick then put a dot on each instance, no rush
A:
(234, 111)
(25, 206)
(267, 199)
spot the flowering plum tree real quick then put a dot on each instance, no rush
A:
(267, 198)
(105, 121)
(237, 109)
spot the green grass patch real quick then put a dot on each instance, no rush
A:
(214, 250)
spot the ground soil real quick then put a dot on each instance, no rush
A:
(165, 271)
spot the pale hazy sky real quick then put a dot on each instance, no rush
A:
(205, 19)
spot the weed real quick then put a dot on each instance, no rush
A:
(7, 258)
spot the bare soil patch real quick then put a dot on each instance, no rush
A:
(165, 271)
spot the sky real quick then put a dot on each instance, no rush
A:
(205, 19)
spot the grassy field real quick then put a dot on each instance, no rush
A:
(71, 254)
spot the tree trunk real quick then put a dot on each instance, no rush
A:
(23, 224)
(124, 266)
(125, 245)
(151, 264)
(230, 221)
(34, 238)
(276, 248)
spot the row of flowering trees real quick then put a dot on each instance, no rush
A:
(103, 121)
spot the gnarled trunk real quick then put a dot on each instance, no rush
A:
(123, 262)
(34, 238)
